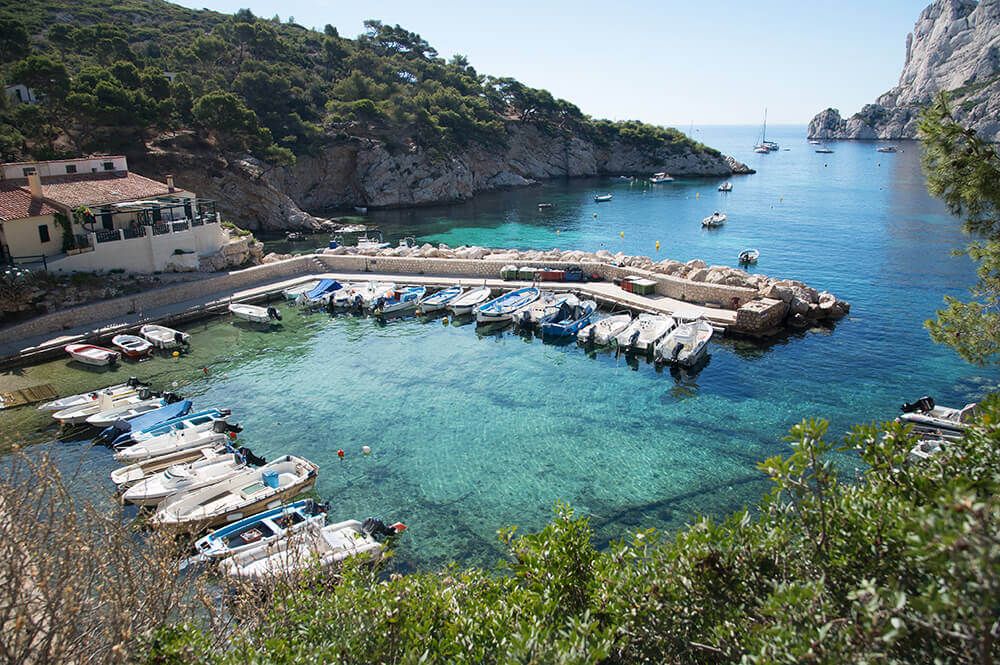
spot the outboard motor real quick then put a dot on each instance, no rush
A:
(379, 304)
(925, 403)
(145, 393)
(634, 338)
(250, 457)
(220, 426)
(171, 398)
(376, 528)
(592, 335)
(133, 382)
(272, 313)
(359, 301)
(676, 352)
(179, 339)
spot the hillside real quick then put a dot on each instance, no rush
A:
(272, 118)
(955, 47)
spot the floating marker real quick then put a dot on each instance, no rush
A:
(176, 354)
(205, 370)
(366, 450)
(657, 245)
(174, 384)
(340, 453)
(623, 234)
(557, 231)
(697, 195)
(781, 198)
(595, 215)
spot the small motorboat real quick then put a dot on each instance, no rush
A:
(361, 210)
(366, 295)
(293, 292)
(771, 146)
(726, 187)
(686, 344)
(814, 142)
(365, 242)
(344, 297)
(132, 346)
(715, 219)
(658, 178)
(602, 198)
(319, 295)
(927, 448)
(439, 300)
(163, 337)
(399, 300)
(543, 206)
(205, 428)
(187, 477)
(295, 236)
(123, 431)
(644, 332)
(92, 355)
(129, 387)
(127, 476)
(153, 401)
(314, 546)
(748, 256)
(824, 150)
(253, 313)
(105, 400)
(260, 529)
(924, 413)
(469, 300)
(247, 493)
(570, 320)
(885, 148)
(506, 306)
(761, 150)
(604, 331)
(534, 313)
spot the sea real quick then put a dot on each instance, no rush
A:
(474, 430)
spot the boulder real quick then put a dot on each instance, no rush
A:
(604, 255)
(696, 264)
(798, 305)
(698, 275)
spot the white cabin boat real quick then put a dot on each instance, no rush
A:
(163, 337)
(726, 187)
(686, 344)
(644, 332)
(604, 332)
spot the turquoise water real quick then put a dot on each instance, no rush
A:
(471, 431)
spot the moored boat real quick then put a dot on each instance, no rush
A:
(469, 300)
(658, 178)
(163, 337)
(926, 414)
(206, 428)
(132, 345)
(319, 295)
(399, 300)
(726, 187)
(715, 219)
(126, 476)
(686, 344)
(570, 319)
(185, 477)
(90, 354)
(602, 198)
(260, 529)
(247, 493)
(79, 413)
(824, 150)
(506, 306)
(366, 295)
(885, 148)
(128, 411)
(644, 332)
(605, 331)
(253, 313)
(123, 431)
(749, 255)
(536, 311)
(439, 300)
(131, 386)
(293, 292)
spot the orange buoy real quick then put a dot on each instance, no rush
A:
(340, 453)
(232, 435)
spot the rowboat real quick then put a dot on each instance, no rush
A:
(570, 320)
(79, 413)
(130, 386)
(293, 292)
(313, 546)
(439, 300)
(253, 313)
(504, 307)
(602, 198)
(399, 300)
(131, 345)
(127, 476)
(163, 337)
(247, 493)
(260, 529)
(128, 411)
(686, 344)
(185, 477)
(605, 331)
(187, 430)
(92, 355)
(644, 332)
(468, 301)
(123, 431)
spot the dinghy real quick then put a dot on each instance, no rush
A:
(644, 332)
(187, 430)
(75, 415)
(247, 493)
(439, 300)
(118, 390)
(715, 219)
(122, 431)
(186, 477)
(605, 331)
(399, 300)
(569, 320)
(924, 413)
(319, 295)
(749, 255)
(163, 337)
(469, 300)
(92, 355)
(260, 529)
(127, 476)
(153, 401)
(131, 345)
(686, 344)
(506, 306)
(293, 292)
(536, 311)
(253, 313)
(313, 546)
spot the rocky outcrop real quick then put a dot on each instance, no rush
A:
(240, 252)
(371, 173)
(954, 46)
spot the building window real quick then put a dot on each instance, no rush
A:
(28, 170)
(43, 232)
(109, 166)
(71, 168)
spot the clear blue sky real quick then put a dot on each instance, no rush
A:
(667, 62)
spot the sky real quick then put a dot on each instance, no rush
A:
(667, 62)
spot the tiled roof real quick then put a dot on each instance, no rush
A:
(88, 189)
(16, 203)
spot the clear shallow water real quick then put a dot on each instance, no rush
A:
(471, 432)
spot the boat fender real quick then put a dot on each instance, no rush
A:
(925, 403)
(593, 334)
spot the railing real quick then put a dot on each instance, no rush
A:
(159, 229)
(156, 229)
(179, 226)
(27, 261)
(133, 232)
(106, 235)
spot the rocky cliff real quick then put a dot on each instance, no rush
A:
(368, 172)
(954, 46)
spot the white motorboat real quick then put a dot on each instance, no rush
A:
(603, 332)
(658, 178)
(247, 493)
(129, 387)
(163, 337)
(314, 546)
(927, 448)
(344, 297)
(439, 300)
(253, 313)
(205, 428)
(110, 416)
(260, 529)
(366, 295)
(92, 355)
(533, 313)
(293, 292)
(726, 187)
(715, 219)
(185, 477)
(749, 255)
(814, 142)
(644, 332)
(75, 415)
(824, 150)
(686, 344)
(469, 300)
(132, 345)
(507, 306)
(924, 413)
(761, 150)
(127, 476)
(885, 148)
(399, 300)
(320, 295)
(602, 198)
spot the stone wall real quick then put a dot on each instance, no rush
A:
(761, 315)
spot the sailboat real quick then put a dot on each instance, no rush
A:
(763, 145)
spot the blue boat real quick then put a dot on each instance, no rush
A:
(185, 421)
(439, 299)
(262, 528)
(504, 307)
(399, 300)
(122, 430)
(569, 320)
(320, 294)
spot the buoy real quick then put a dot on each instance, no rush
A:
(781, 198)
(879, 164)
(174, 384)
(176, 353)
(557, 231)
(697, 195)
(824, 166)
(366, 450)
(232, 435)
(444, 321)
(340, 453)
(595, 215)
(623, 234)
(205, 369)
(657, 245)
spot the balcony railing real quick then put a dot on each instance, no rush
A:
(107, 235)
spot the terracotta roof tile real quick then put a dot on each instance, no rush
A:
(16, 203)
(88, 189)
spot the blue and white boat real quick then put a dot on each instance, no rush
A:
(569, 319)
(469, 301)
(262, 528)
(399, 300)
(546, 305)
(319, 295)
(192, 432)
(124, 430)
(439, 300)
(504, 307)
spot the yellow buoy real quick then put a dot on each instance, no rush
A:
(657, 245)
(557, 231)
(697, 195)
(781, 198)
(623, 234)
(176, 353)
(595, 215)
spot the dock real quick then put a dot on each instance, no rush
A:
(30, 395)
